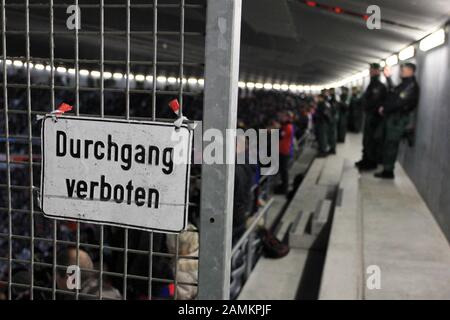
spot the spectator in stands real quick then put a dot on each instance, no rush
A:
(186, 269)
(302, 121)
(89, 281)
(243, 181)
(286, 139)
(138, 264)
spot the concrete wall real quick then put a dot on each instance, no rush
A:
(428, 162)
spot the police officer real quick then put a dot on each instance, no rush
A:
(396, 111)
(372, 99)
(343, 107)
(333, 122)
(355, 114)
(321, 122)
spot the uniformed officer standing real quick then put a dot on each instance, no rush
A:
(332, 127)
(372, 99)
(321, 123)
(343, 107)
(355, 114)
(396, 112)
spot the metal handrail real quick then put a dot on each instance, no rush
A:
(250, 229)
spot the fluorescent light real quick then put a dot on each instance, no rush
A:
(433, 40)
(277, 86)
(201, 82)
(293, 87)
(407, 53)
(8, 62)
(268, 86)
(241, 84)
(107, 75)
(84, 72)
(392, 60)
(71, 71)
(117, 75)
(307, 88)
(140, 77)
(161, 79)
(250, 85)
(48, 68)
(130, 76)
(300, 88)
(192, 81)
(284, 87)
(18, 63)
(149, 78)
(61, 69)
(39, 66)
(172, 80)
(95, 74)
(259, 85)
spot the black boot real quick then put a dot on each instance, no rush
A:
(359, 163)
(367, 166)
(385, 175)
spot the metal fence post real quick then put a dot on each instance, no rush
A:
(220, 108)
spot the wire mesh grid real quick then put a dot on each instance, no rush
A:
(123, 59)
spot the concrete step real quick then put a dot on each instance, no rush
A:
(342, 274)
(299, 236)
(306, 200)
(321, 217)
(276, 279)
(306, 233)
(332, 171)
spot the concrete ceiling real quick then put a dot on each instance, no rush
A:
(282, 40)
(288, 40)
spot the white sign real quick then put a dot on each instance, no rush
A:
(116, 172)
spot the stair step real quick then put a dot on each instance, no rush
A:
(321, 217)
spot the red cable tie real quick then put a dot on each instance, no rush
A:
(64, 107)
(174, 105)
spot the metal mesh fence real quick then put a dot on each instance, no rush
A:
(126, 59)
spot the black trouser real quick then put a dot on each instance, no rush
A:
(284, 172)
(371, 145)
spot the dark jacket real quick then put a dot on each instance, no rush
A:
(374, 96)
(403, 98)
(323, 112)
(343, 104)
(243, 181)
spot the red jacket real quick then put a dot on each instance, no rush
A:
(287, 131)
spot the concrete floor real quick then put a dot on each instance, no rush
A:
(400, 236)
